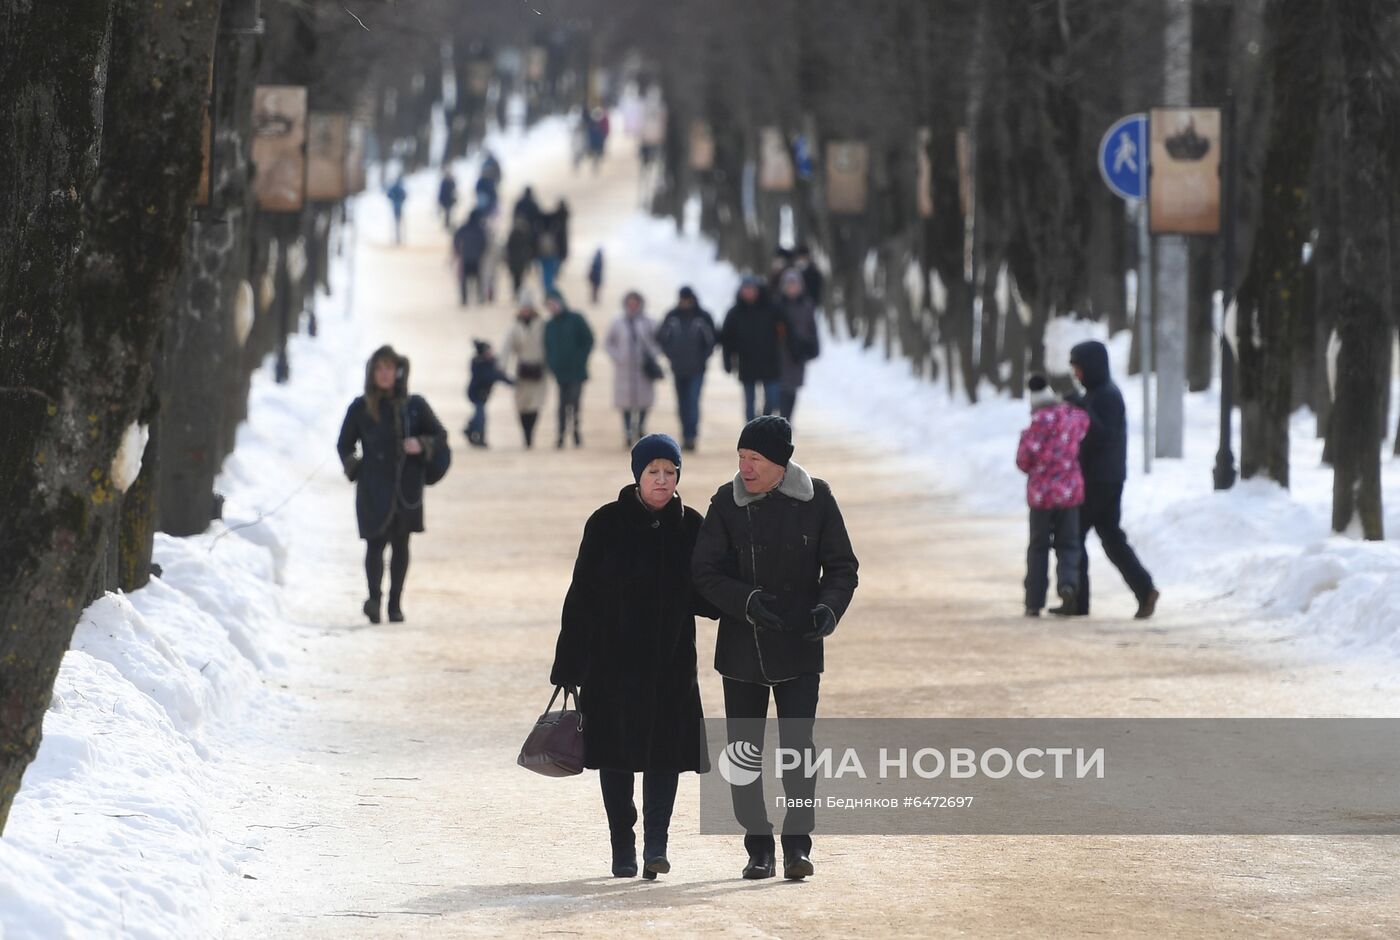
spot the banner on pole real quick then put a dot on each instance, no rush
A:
(279, 147)
(702, 146)
(1183, 190)
(847, 168)
(326, 155)
(775, 174)
(356, 135)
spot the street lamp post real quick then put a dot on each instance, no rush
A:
(1224, 455)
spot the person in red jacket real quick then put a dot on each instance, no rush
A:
(1049, 455)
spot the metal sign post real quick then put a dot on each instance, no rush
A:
(1123, 166)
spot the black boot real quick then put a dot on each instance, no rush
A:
(371, 608)
(527, 424)
(624, 856)
(760, 865)
(395, 611)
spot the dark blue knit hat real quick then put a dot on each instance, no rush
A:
(652, 447)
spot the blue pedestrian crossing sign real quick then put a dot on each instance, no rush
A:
(1123, 156)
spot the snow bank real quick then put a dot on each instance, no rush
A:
(111, 832)
(1268, 549)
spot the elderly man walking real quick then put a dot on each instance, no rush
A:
(774, 557)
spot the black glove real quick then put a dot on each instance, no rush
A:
(352, 468)
(760, 616)
(823, 623)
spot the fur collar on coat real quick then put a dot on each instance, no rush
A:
(796, 484)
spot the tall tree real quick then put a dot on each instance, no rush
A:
(1357, 36)
(1271, 297)
(101, 102)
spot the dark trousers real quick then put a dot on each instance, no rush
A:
(476, 427)
(688, 401)
(471, 274)
(634, 425)
(1056, 529)
(398, 564)
(1101, 512)
(787, 406)
(569, 395)
(528, 419)
(746, 711)
(772, 392)
(658, 799)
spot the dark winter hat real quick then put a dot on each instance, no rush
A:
(1041, 394)
(655, 447)
(769, 435)
(553, 294)
(687, 294)
(481, 346)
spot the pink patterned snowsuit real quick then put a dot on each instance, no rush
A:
(1049, 452)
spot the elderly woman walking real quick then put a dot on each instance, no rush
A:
(631, 342)
(398, 437)
(627, 643)
(524, 346)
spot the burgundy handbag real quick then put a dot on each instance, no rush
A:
(554, 746)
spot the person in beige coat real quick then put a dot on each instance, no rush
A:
(631, 342)
(524, 349)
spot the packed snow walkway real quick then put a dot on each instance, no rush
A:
(390, 804)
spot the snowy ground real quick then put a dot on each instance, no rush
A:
(115, 831)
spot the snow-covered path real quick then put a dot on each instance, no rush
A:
(389, 803)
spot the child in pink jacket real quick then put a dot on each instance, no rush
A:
(1049, 454)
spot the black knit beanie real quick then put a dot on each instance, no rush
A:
(769, 435)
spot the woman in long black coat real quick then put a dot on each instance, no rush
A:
(398, 435)
(627, 642)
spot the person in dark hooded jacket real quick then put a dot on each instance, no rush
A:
(1103, 456)
(398, 435)
(775, 558)
(627, 643)
(749, 342)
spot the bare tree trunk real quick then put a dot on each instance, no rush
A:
(1273, 288)
(87, 284)
(202, 382)
(1363, 319)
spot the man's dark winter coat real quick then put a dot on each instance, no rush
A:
(750, 340)
(791, 543)
(627, 638)
(1104, 454)
(383, 470)
(687, 337)
(568, 340)
(469, 241)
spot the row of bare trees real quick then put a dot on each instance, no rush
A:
(1007, 101)
(131, 318)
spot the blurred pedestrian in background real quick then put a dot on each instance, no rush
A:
(397, 435)
(485, 373)
(524, 346)
(568, 341)
(687, 337)
(468, 246)
(397, 196)
(631, 343)
(1049, 454)
(800, 340)
(520, 253)
(1104, 459)
(595, 275)
(447, 196)
(749, 340)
